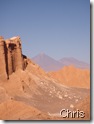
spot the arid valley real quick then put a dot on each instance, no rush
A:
(28, 92)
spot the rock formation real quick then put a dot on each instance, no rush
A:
(11, 58)
(3, 74)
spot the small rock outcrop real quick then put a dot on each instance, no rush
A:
(11, 58)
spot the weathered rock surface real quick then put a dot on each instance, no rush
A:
(11, 57)
(3, 74)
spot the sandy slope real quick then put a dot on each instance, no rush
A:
(31, 93)
(14, 110)
(85, 106)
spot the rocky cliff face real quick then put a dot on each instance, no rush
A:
(3, 74)
(11, 58)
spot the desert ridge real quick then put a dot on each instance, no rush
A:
(72, 76)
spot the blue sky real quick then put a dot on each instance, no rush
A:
(59, 28)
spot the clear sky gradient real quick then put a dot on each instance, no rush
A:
(59, 28)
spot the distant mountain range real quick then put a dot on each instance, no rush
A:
(47, 63)
(50, 64)
(75, 62)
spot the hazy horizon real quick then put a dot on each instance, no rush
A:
(59, 28)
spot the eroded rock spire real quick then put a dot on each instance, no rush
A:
(11, 58)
